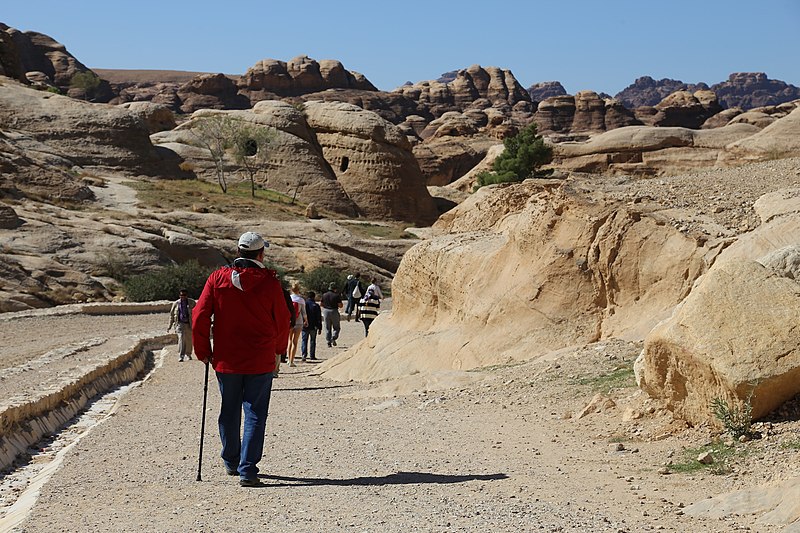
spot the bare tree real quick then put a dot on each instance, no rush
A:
(215, 133)
(250, 148)
(247, 143)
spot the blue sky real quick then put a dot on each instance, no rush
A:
(598, 45)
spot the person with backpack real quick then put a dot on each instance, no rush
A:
(353, 291)
(308, 346)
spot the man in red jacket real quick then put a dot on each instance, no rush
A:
(250, 326)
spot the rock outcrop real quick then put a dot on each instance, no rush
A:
(270, 78)
(649, 150)
(779, 139)
(568, 268)
(585, 112)
(33, 52)
(546, 89)
(211, 91)
(754, 89)
(497, 86)
(682, 109)
(295, 164)
(72, 132)
(373, 161)
(732, 338)
(646, 91)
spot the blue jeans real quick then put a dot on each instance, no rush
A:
(308, 344)
(249, 393)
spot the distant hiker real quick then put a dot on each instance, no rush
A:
(180, 316)
(281, 357)
(368, 309)
(331, 303)
(353, 291)
(308, 346)
(251, 326)
(375, 288)
(300, 321)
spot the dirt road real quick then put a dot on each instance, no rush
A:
(506, 453)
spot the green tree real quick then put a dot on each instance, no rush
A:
(524, 153)
(87, 81)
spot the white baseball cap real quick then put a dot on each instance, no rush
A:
(252, 241)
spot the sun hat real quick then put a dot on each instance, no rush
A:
(252, 241)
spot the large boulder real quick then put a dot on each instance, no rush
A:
(523, 269)
(732, 338)
(373, 161)
(444, 160)
(158, 117)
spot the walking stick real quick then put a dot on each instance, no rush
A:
(203, 425)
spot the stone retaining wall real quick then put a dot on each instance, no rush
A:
(25, 421)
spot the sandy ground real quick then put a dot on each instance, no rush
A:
(507, 452)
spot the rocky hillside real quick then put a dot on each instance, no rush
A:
(745, 90)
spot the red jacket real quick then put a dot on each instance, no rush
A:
(251, 321)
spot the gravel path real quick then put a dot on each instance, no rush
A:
(508, 453)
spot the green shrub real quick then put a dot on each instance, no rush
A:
(524, 153)
(735, 419)
(88, 81)
(317, 279)
(166, 282)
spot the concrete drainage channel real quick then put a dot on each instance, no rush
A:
(77, 412)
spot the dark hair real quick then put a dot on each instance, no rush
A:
(184, 291)
(311, 295)
(250, 254)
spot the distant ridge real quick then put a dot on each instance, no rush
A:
(113, 75)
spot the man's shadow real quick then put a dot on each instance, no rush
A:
(399, 478)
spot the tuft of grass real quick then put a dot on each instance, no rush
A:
(378, 231)
(171, 195)
(621, 377)
(722, 454)
(793, 444)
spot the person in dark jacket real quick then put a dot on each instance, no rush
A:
(308, 345)
(331, 302)
(250, 326)
(352, 294)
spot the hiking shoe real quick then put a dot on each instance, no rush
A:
(329, 345)
(180, 360)
(250, 482)
(231, 472)
(333, 342)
